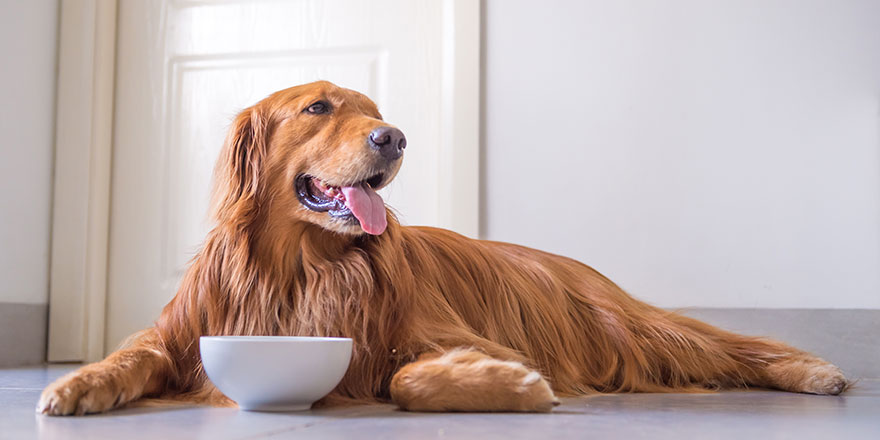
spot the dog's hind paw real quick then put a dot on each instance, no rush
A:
(825, 379)
(808, 374)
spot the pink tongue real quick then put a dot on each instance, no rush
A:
(367, 206)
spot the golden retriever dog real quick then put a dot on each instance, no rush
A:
(303, 245)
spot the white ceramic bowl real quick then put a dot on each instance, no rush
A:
(275, 373)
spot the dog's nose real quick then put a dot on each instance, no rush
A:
(389, 141)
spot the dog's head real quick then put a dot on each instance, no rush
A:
(316, 153)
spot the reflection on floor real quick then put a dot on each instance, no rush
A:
(735, 414)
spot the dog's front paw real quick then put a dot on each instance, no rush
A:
(84, 391)
(467, 380)
(535, 393)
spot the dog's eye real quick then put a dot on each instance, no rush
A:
(318, 108)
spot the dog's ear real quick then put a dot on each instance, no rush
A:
(238, 172)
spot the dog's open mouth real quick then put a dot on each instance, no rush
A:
(355, 202)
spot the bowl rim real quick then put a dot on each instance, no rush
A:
(274, 338)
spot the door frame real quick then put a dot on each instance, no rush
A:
(81, 198)
(84, 146)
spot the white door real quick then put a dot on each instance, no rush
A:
(185, 68)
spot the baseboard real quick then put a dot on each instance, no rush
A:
(23, 334)
(846, 337)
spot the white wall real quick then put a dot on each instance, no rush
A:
(699, 153)
(28, 34)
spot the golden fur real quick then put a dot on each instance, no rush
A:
(440, 322)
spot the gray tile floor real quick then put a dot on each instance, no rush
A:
(735, 414)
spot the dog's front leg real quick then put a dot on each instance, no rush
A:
(469, 380)
(127, 374)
